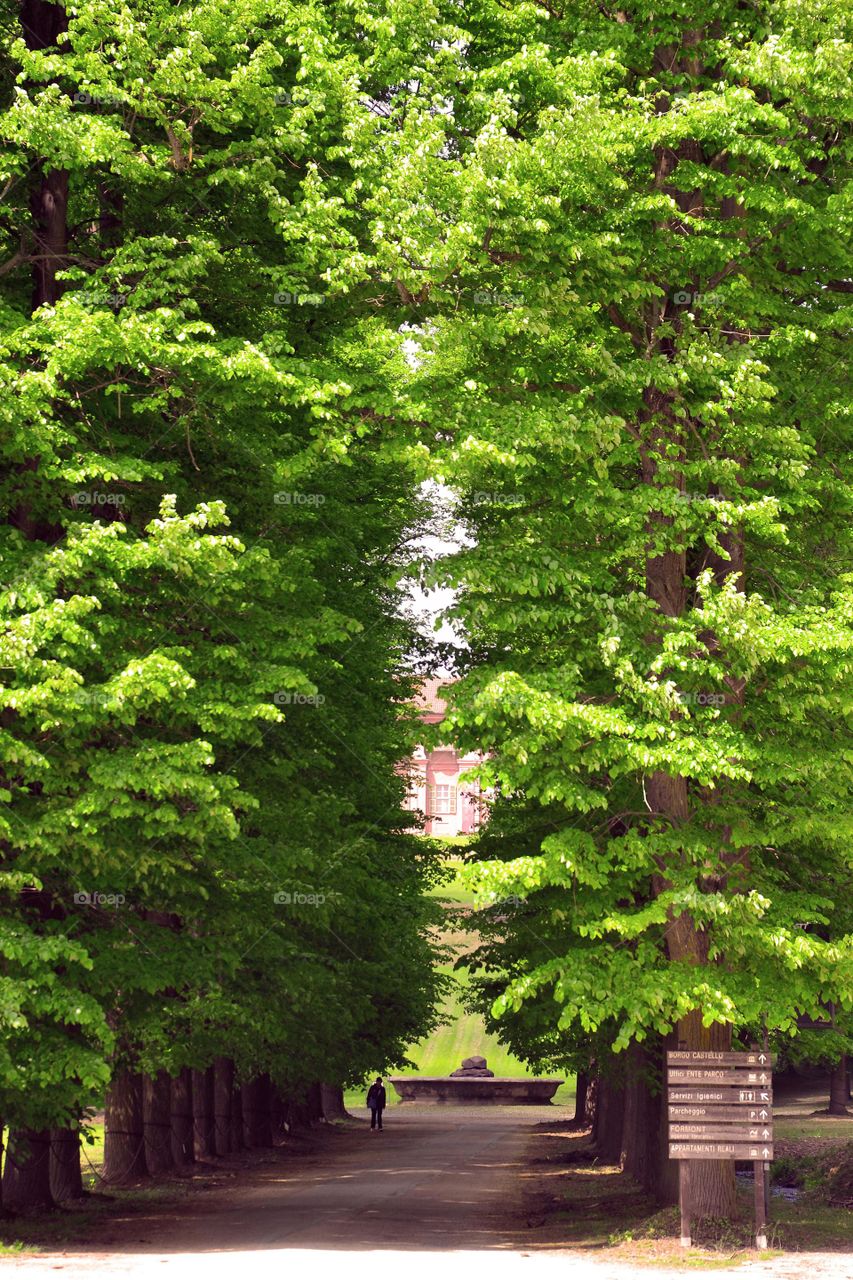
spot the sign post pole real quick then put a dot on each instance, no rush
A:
(684, 1202)
(760, 1206)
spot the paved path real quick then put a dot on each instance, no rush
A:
(436, 1194)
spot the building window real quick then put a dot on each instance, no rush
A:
(442, 798)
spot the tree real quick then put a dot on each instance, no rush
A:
(207, 522)
(623, 245)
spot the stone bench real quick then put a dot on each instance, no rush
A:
(474, 1082)
(459, 1090)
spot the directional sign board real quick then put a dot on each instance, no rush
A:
(719, 1075)
(720, 1104)
(732, 1132)
(716, 1114)
(720, 1107)
(722, 1097)
(719, 1151)
(710, 1058)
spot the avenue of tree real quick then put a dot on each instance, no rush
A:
(209, 906)
(266, 267)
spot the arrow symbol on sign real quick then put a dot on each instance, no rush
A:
(762, 1079)
(765, 1133)
(762, 1114)
(766, 1153)
(765, 1097)
(762, 1058)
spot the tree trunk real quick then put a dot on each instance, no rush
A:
(124, 1140)
(314, 1102)
(581, 1116)
(237, 1138)
(332, 1098)
(592, 1093)
(42, 23)
(642, 1135)
(711, 1183)
(203, 1113)
(838, 1088)
(223, 1089)
(610, 1121)
(181, 1118)
(66, 1176)
(26, 1175)
(157, 1122)
(257, 1124)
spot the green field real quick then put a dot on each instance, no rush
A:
(461, 1034)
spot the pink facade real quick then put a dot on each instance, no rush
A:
(451, 807)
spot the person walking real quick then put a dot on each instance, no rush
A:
(376, 1101)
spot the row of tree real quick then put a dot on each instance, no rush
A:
(627, 234)
(209, 903)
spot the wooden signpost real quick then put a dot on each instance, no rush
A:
(720, 1107)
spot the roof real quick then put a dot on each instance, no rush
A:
(428, 698)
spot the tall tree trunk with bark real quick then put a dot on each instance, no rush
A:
(223, 1089)
(314, 1101)
(643, 1132)
(157, 1122)
(257, 1119)
(712, 1182)
(332, 1099)
(26, 1174)
(237, 1137)
(581, 1116)
(592, 1094)
(181, 1118)
(42, 23)
(66, 1176)
(838, 1088)
(203, 1114)
(124, 1141)
(610, 1120)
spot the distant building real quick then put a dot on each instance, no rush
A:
(452, 808)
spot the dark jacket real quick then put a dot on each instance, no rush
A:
(376, 1097)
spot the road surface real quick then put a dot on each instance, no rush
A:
(438, 1194)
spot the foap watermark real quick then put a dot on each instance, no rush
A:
(293, 498)
(285, 698)
(291, 98)
(701, 699)
(484, 499)
(699, 497)
(98, 101)
(93, 698)
(102, 298)
(287, 899)
(694, 298)
(98, 899)
(285, 298)
(511, 900)
(490, 298)
(96, 498)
